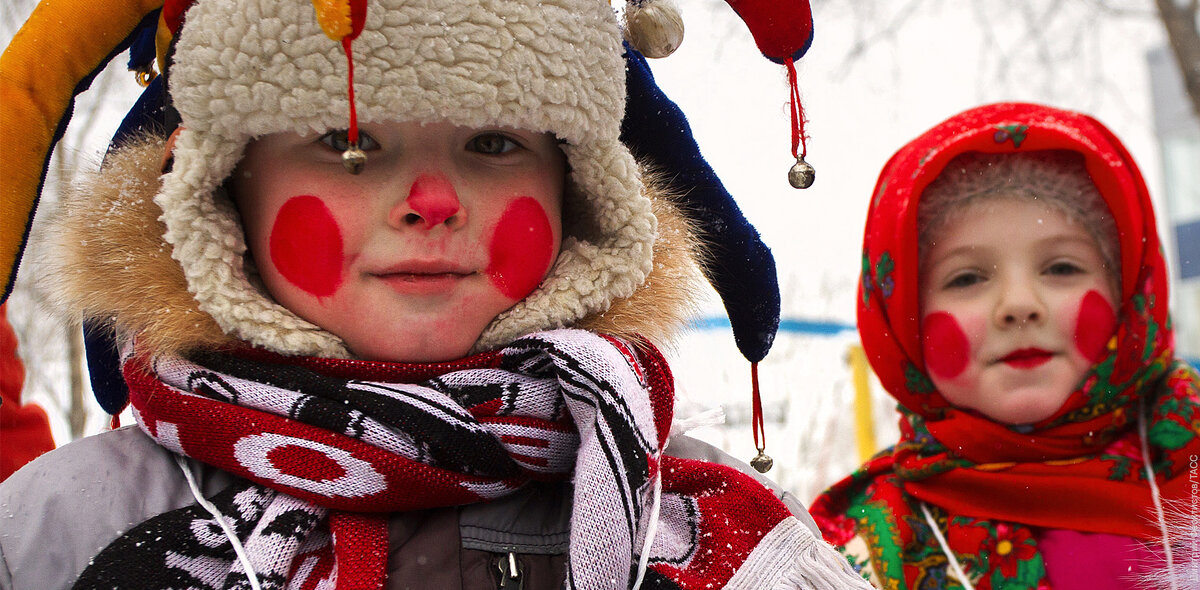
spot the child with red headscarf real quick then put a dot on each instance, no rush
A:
(360, 332)
(1014, 302)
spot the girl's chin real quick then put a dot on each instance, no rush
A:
(1028, 408)
(431, 350)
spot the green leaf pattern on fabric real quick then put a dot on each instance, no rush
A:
(883, 274)
(1170, 435)
(916, 380)
(867, 283)
(1016, 133)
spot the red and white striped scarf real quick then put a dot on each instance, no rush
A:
(328, 448)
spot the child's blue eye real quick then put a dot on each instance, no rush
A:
(339, 140)
(492, 143)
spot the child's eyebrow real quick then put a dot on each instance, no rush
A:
(1069, 238)
(957, 251)
(1072, 239)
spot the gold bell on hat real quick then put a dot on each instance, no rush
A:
(354, 159)
(762, 462)
(802, 174)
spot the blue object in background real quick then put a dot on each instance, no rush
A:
(822, 327)
(1187, 246)
(786, 325)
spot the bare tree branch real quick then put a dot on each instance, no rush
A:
(889, 30)
(1179, 18)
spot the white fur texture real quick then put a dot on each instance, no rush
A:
(1183, 532)
(246, 68)
(791, 557)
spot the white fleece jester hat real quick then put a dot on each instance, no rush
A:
(238, 69)
(245, 68)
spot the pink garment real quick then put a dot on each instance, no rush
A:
(1093, 561)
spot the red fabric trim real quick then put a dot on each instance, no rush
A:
(781, 28)
(225, 424)
(172, 14)
(24, 429)
(372, 370)
(359, 540)
(980, 440)
(726, 496)
(358, 17)
(1043, 497)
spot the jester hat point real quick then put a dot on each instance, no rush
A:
(239, 69)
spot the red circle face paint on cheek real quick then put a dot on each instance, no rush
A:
(306, 245)
(945, 345)
(1095, 325)
(521, 248)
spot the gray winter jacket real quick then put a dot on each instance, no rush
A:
(63, 508)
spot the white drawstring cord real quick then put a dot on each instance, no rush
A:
(710, 417)
(233, 539)
(1155, 495)
(958, 571)
(651, 531)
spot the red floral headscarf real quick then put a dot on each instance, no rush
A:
(1079, 469)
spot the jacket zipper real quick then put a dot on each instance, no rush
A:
(511, 576)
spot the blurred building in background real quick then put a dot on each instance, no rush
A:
(1178, 130)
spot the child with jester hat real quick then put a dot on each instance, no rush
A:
(1014, 302)
(389, 328)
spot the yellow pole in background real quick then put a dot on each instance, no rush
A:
(864, 420)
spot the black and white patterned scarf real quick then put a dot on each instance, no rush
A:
(326, 449)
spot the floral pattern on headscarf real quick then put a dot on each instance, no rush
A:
(985, 484)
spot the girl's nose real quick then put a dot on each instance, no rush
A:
(1019, 305)
(431, 201)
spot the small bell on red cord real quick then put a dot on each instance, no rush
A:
(342, 21)
(354, 159)
(783, 31)
(761, 462)
(802, 174)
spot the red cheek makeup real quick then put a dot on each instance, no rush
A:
(521, 248)
(306, 246)
(1094, 326)
(945, 345)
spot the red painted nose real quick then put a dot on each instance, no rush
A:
(431, 201)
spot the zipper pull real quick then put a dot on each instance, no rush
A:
(510, 572)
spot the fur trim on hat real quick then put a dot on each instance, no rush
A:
(105, 259)
(241, 70)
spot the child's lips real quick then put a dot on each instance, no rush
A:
(422, 278)
(422, 283)
(1027, 358)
